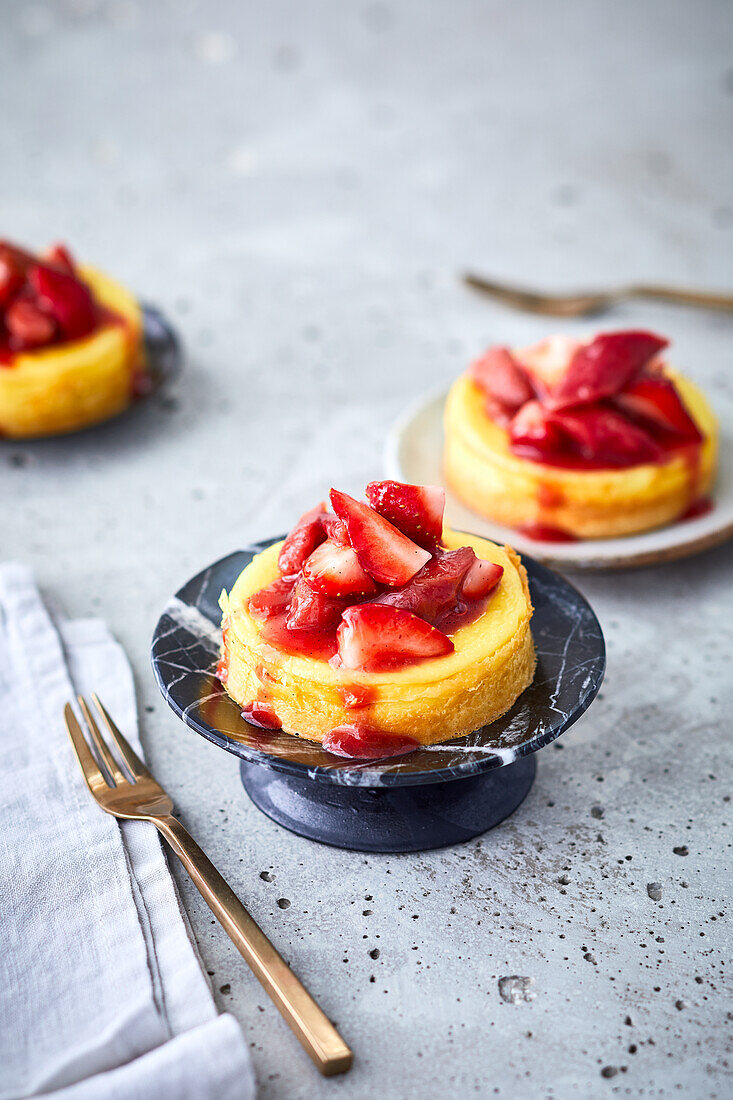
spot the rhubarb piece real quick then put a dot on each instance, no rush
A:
(503, 381)
(313, 610)
(376, 638)
(437, 589)
(271, 600)
(335, 529)
(28, 325)
(655, 401)
(335, 570)
(307, 534)
(66, 298)
(415, 510)
(362, 743)
(604, 367)
(481, 579)
(387, 555)
(601, 435)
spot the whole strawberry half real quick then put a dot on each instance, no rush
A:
(384, 552)
(66, 298)
(307, 534)
(604, 367)
(376, 638)
(654, 400)
(503, 381)
(335, 570)
(415, 510)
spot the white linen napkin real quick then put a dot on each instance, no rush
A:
(101, 993)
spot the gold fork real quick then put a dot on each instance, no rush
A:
(135, 793)
(583, 304)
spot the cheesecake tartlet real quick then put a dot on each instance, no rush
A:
(71, 344)
(569, 439)
(372, 629)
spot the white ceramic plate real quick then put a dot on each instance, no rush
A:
(414, 453)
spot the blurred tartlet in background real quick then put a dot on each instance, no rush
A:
(71, 344)
(569, 439)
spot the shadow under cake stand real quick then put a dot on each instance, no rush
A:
(436, 795)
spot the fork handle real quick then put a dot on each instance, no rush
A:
(309, 1023)
(706, 298)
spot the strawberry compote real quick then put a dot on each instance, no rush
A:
(605, 404)
(44, 302)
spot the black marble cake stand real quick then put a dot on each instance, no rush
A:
(437, 795)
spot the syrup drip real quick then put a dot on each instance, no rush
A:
(702, 506)
(545, 532)
(363, 743)
(262, 715)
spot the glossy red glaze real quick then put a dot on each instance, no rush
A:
(544, 532)
(700, 507)
(261, 714)
(363, 743)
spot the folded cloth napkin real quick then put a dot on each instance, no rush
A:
(101, 993)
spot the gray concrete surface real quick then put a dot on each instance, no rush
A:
(298, 184)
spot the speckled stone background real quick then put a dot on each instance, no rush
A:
(298, 185)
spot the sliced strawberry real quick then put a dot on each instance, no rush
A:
(482, 578)
(415, 510)
(436, 590)
(601, 435)
(376, 638)
(313, 610)
(533, 432)
(59, 256)
(29, 326)
(654, 400)
(335, 530)
(604, 367)
(66, 298)
(262, 715)
(272, 600)
(307, 534)
(503, 380)
(386, 554)
(547, 362)
(335, 570)
(362, 743)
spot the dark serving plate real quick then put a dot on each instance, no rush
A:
(437, 795)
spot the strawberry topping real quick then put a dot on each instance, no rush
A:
(44, 301)
(654, 400)
(307, 534)
(376, 638)
(604, 367)
(604, 404)
(335, 570)
(481, 579)
(415, 510)
(503, 380)
(66, 298)
(387, 555)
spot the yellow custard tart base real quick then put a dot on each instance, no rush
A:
(69, 386)
(430, 701)
(488, 478)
